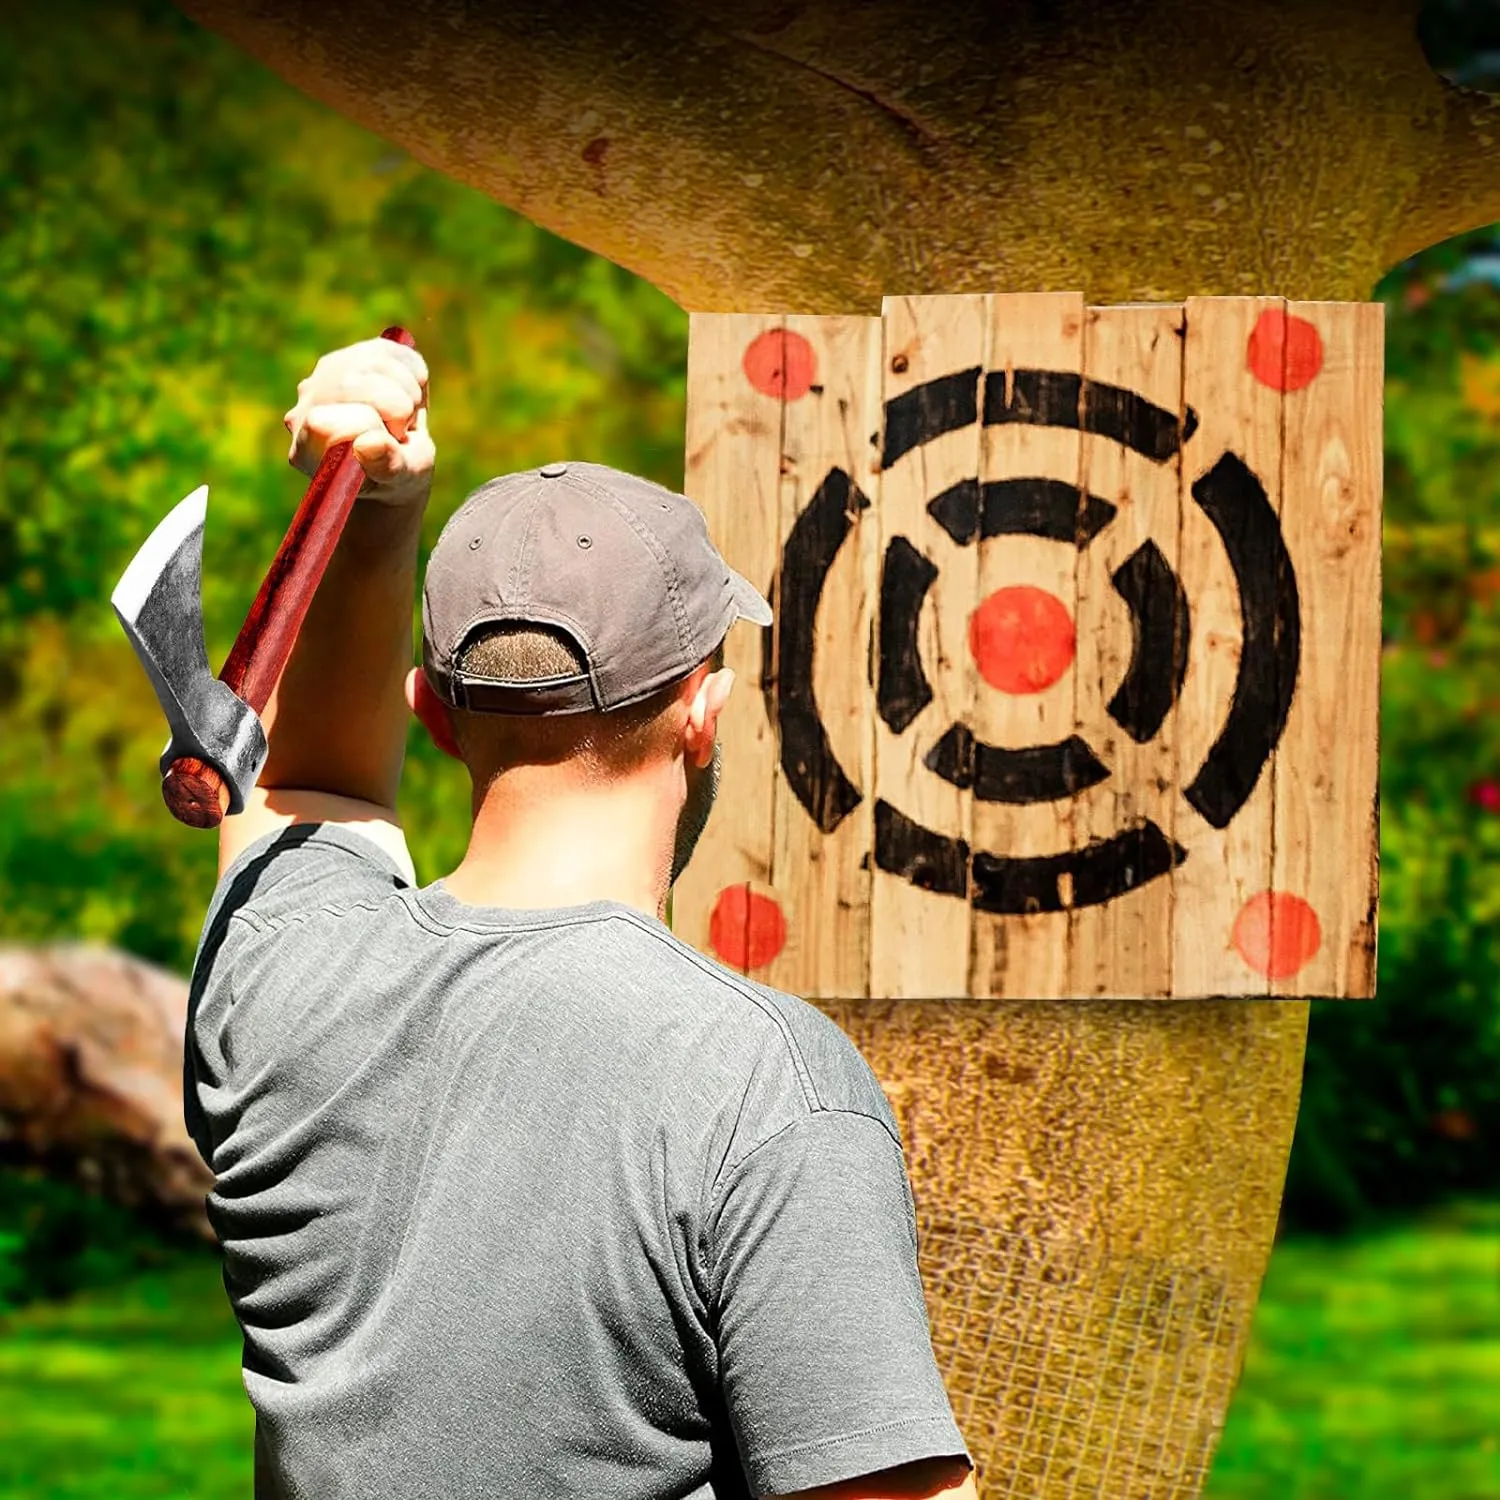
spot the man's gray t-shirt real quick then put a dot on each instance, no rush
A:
(543, 1203)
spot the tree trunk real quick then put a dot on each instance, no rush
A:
(771, 155)
(91, 1078)
(811, 156)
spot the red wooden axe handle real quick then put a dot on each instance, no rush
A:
(193, 790)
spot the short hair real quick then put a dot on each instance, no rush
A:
(604, 743)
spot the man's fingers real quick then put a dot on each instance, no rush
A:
(365, 374)
(372, 395)
(325, 425)
(391, 359)
(388, 349)
(384, 362)
(393, 402)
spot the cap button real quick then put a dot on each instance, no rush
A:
(553, 471)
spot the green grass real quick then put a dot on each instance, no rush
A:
(1373, 1374)
(132, 1393)
(1374, 1369)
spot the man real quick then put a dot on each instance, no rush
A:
(519, 1195)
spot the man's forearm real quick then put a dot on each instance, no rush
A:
(337, 721)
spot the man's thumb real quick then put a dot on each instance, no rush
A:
(378, 453)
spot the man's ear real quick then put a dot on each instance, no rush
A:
(703, 715)
(433, 713)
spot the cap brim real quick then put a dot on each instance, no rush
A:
(749, 601)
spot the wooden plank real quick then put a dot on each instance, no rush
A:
(825, 615)
(1021, 643)
(723, 904)
(920, 931)
(1132, 629)
(1325, 874)
(1239, 423)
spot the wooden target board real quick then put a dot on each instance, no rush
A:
(1073, 686)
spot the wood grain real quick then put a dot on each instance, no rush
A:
(1326, 835)
(733, 472)
(1123, 947)
(1226, 868)
(829, 453)
(1027, 953)
(919, 926)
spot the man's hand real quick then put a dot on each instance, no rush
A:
(336, 722)
(374, 393)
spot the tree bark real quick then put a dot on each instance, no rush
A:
(91, 1079)
(811, 156)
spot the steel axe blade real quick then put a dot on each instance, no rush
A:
(158, 602)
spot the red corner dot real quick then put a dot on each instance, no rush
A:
(1021, 639)
(779, 363)
(1284, 352)
(746, 929)
(1277, 934)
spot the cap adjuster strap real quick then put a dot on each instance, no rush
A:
(563, 694)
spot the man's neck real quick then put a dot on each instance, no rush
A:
(540, 845)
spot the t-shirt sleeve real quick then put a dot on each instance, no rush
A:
(825, 1349)
(278, 887)
(296, 871)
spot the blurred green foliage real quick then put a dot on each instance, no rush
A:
(181, 236)
(1401, 1098)
(1462, 39)
(56, 1239)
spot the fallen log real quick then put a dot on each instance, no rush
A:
(91, 1079)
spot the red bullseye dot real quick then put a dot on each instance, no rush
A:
(1277, 933)
(745, 928)
(1284, 352)
(779, 363)
(1022, 639)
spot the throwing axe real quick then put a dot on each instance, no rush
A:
(218, 745)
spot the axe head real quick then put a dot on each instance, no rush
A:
(159, 602)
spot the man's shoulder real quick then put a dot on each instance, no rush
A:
(271, 910)
(794, 1056)
(290, 874)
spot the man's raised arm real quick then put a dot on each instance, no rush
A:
(927, 1479)
(336, 723)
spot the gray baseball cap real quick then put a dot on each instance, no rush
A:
(623, 566)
